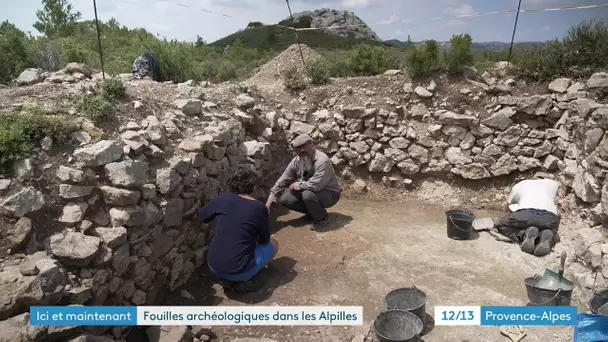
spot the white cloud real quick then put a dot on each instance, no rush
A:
(393, 19)
(547, 27)
(460, 11)
(454, 23)
(355, 3)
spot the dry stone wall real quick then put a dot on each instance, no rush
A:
(115, 222)
(561, 133)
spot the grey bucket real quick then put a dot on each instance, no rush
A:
(410, 299)
(397, 326)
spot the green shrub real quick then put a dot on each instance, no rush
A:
(367, 60)
(113, 89)
(318, 71)
(583, 51)
(95, 107)
(294, 80)
(459, 54)
(423, 60)
(20, 133)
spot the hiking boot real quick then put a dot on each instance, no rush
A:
(544, 246)
(529, 240)
(321, 224)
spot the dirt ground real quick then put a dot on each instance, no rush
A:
(371, 248)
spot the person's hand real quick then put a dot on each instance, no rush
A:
(268, 205)
(292, 188)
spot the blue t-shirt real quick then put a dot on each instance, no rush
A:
(241, 224)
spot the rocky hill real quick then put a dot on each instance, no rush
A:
(326, 17)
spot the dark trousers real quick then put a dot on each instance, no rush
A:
(514, 225)
(311, 203)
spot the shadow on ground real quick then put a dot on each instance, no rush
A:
(279, 272)
(337, 221)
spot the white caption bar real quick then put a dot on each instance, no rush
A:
(457, 315)
(250, 315)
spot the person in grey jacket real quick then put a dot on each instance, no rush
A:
(311, 183)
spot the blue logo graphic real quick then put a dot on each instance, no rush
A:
(528, 315)
(83, 315)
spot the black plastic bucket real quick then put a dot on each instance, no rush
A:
(598, 300)
(460, 224)
(397, 326)
(410, 299)
(546, 297)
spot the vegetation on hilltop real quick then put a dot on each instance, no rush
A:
(65, 39)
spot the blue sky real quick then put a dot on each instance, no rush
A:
(389, 18)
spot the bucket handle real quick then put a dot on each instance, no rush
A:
(555, 296)
(456, 226)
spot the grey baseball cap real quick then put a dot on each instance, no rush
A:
(301, 140)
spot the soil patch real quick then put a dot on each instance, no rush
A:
(370, 249)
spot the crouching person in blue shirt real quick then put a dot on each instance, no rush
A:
(242, 245)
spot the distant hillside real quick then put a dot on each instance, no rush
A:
(273, 37)
(474, 45)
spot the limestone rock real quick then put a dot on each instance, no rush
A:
(23, 202)
(509, 137)
(422, 92)
(380, 163)
(455, 156)
(30, 76)
(418, 152)
(18, 234)
(74, 249)
(526, 163)
(172, 210)
(504, 165)
(189, 106)
(560, 85)
(585, 187)
(298, 128)
(65, 174)
(112, 237)
(69, 191)
(472, 171)
(120, 197)
(498, 120)
(127, 173)
(73, 213)
(127, 216)
(588, 244)
(399, 143)
(100, 153)
(167, 180)
(244, 101)
(450, 118)
(359, 186)
(598, 80)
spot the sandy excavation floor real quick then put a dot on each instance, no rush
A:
(371, 248)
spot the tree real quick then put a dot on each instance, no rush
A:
(199, 41)
(13, 51)
(56, 19)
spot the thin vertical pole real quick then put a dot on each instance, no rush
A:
(296, 33)
(513, 36)
(103, 72)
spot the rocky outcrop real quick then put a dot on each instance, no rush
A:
(329, 17)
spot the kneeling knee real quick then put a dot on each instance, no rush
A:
(308, 195)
